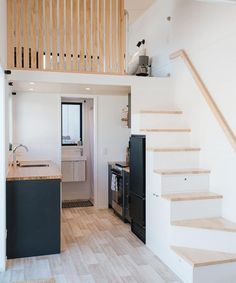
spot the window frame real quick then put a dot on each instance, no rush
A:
(81, 122)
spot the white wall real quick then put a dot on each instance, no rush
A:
(207, 31)
(37, 125)
(3, 32)
(3, 138)
(81, 190)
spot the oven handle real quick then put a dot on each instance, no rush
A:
(115, 172)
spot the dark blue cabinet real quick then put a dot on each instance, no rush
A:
(33, 218)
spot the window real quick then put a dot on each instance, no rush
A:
(71, 120)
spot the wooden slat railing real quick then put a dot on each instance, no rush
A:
(209, 99)
(66, 35)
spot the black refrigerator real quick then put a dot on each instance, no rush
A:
(137, 197)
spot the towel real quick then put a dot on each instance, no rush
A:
(114, 186)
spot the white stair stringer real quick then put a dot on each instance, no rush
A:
(185, 158)
(185, 182)
(199, 238)
(194, 209)
(162, 120)
(167, 139)
(208, 266)
(170, 172)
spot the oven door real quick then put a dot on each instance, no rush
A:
(117, 192)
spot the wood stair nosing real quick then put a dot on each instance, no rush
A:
(214, 223)
(168, 112)
(174, 197)
(200, 258)
(177, 149)
(182, 171)
(166, 130)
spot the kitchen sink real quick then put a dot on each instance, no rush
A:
(33, 165)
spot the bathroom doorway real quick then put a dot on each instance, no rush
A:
(77, 151)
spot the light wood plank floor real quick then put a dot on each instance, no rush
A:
(97, 247)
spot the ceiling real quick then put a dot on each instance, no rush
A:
(68, 88)
(136, 8)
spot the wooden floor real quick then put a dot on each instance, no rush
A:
(97, 247)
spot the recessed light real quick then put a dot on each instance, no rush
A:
(32, 83)
(88, 88)
(31, 89)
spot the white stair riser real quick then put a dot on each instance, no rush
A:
(176, 160)
(168, 139)
(194, 209)
(185, 183)
(198, 238)
(148, 121)
(220, 273)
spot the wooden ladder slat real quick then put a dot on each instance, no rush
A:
(10, 35)
(81, 37)
(75, 35)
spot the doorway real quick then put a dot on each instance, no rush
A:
(3, 165)
(77, 151)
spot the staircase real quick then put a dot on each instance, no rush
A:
(184, 224)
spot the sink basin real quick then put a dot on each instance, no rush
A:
(33, 165)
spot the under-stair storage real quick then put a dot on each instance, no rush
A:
(190, 236)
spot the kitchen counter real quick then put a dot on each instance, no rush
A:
(126, 169)
(33, 210)
(17, 173)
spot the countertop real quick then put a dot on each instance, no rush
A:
(72, 158)
(113, 163)
(126, 169)
(16, 173)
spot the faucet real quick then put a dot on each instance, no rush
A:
(14, 152)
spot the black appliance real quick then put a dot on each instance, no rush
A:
(137, 191)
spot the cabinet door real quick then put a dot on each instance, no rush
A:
(67, 171)
(79, 171)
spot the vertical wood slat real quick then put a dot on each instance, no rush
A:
(18, 34)
(47, 33)
(108, 35)
(10, 36)
(75, 35)
(88, 35)
(104, 43)
(33, 33)
(40, 34)
(114, 36)
(81, 36)
(122, 37)
(54, 34)
(95, 36)
(101, 35)
(68, 35)
(26, 35)
(62, 32)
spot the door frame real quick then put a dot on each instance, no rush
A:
(95, 136)
(3, 165)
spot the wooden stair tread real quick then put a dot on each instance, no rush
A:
(198, 258)
(174, 112)
(181, 171)
(216, 223)
(166, 130)
(191, 196)
(172, 149)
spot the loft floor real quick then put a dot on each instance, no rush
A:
(97, 247)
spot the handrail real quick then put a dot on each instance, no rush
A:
(210, 101)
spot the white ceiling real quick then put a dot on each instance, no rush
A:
(67, 88)
(136, 8)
